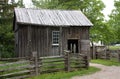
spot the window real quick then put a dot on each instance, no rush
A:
(55, 37)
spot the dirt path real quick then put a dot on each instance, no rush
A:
(107, 72)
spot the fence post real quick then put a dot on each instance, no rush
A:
(86, 61)
(107, 54)
(119, 55)
(67, 61)
(35, 60)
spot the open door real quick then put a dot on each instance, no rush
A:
(73, 45)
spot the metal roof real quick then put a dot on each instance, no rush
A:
(51, 17)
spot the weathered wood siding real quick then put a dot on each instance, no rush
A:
(22, 41)
(41, 39)
(80, 33)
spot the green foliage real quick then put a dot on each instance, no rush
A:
(107, 34)
(66, 75)
(6, 38)
(6, 33)
(106, 62)
(114, 22)
(6, 29)
(20, 3)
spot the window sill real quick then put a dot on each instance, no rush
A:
(55, 44)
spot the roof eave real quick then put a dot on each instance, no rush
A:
(24, 23)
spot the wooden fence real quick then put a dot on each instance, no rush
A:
(19, 68)
(109, 54)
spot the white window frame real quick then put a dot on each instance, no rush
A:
(53, 41)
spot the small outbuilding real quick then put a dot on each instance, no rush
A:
(50, 32)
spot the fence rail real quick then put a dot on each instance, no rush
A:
(26, 67)
(12, 69)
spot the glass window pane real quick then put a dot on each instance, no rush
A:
(55, 37)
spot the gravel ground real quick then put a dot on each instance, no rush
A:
(107, 72)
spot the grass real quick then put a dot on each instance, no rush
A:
(114, 47)
(106, 62)
(52, 65)
(66, 75)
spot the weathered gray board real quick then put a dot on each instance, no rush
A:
(85, 47)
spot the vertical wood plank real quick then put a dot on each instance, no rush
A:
(29, 40)
(35, 57)
(60, 41)
(47, 39)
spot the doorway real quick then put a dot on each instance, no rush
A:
(73, 45)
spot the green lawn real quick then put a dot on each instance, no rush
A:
(106, 62)
(66, 75)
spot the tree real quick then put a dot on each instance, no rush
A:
(114, 22)
(6, 34)
(6, 29)
(20, 3)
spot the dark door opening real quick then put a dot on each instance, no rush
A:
(73, 45)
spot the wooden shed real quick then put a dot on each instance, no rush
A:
(50, 32)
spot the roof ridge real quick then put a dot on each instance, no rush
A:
(47, 9)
